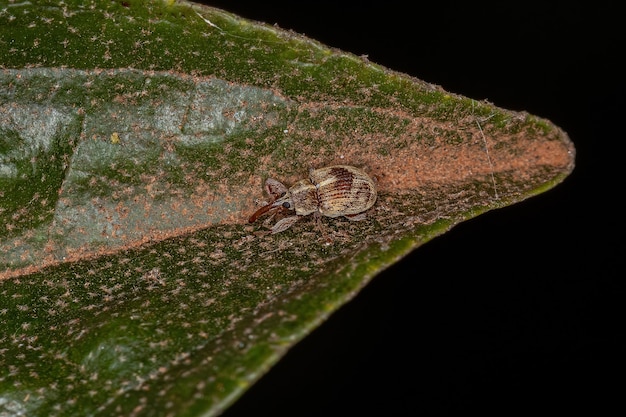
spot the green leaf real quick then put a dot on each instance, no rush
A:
(134, 140)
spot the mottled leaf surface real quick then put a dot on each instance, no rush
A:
(134, 141)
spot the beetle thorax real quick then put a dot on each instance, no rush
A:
(304, 197)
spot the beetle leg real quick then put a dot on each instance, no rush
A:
(320, 226)
(269, 218)
(284, 224)
(274, 188)
(356, 217)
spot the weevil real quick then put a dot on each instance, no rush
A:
(335, 191)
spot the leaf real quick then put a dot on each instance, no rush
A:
(134, 140)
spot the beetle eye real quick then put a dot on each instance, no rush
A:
(286, 205)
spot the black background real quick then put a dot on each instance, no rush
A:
(518, 310)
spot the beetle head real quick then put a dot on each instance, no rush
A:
(283, 203)
(282, 199)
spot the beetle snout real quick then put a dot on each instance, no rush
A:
(282, 203)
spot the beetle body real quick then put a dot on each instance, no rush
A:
(339, 190)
